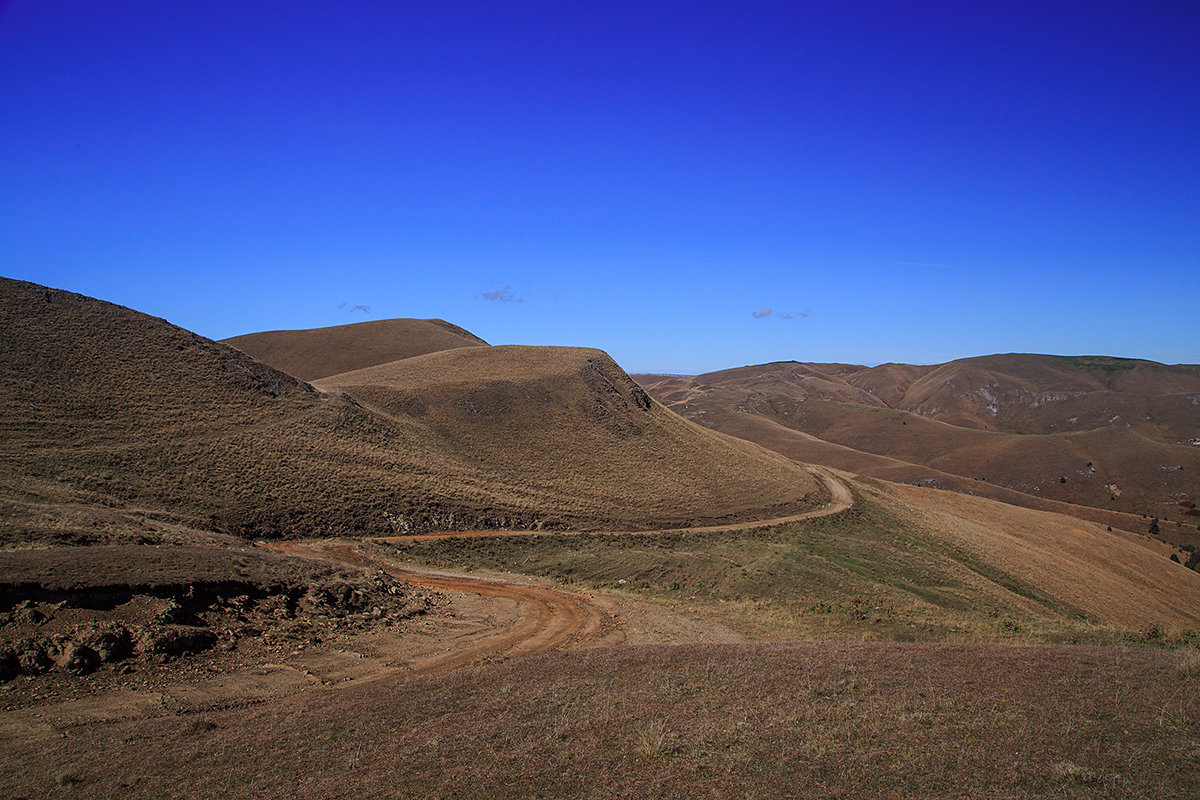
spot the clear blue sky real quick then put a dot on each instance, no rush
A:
(895, 181)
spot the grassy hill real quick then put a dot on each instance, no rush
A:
(569, 422)
(320, 352)
(105, 407)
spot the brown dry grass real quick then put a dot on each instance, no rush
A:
(1095, 422)
(105, 407)
(102, 567)
(318, 352)
(570, 420)
(808, 720)
(1121, 579)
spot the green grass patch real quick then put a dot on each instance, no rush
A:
(864, 572)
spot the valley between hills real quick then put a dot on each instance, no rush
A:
(392, 560)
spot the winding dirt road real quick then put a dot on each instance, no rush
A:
(485, 617)
(840, 500)
(538, 618)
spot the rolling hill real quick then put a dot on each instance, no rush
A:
(319, 352)
(1110, 434)
(104, 407)
(572, 418)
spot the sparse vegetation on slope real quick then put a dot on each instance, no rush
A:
(904, 564)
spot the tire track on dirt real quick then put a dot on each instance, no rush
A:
(546, 618)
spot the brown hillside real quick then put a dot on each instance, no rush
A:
(103, 406)
(319, 352)
(570, 421)
(1115, 429)
(1048, 394)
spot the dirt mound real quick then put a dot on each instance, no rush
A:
(78, 610)
(319, 352)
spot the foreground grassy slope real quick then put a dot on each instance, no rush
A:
(319, 352)
(802, 720)
(104, 407)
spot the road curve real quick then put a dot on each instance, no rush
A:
(546, 618)
(840, 500)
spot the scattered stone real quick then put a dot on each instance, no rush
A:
(33, 658)
(177, 641)
(80, 659)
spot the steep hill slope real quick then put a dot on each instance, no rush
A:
(319, 352)
(1107, 433)
(104, 407)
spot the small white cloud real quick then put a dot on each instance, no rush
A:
(766, 312)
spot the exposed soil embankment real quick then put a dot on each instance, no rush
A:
(76, 610)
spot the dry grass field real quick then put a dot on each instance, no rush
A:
(165, 631)
(800, 720)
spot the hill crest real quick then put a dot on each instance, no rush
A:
(313, 353)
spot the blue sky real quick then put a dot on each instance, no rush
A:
(895, 181)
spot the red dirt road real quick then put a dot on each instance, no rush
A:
(534, 619)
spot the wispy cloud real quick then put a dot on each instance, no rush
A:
(504, 295)
(768, 312)
(354, 309)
